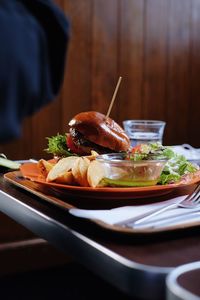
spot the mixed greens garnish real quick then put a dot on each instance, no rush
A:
(175, 167)
(57, 146)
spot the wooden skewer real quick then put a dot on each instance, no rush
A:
(113, 97)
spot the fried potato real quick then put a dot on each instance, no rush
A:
(63, 166)
(66, 178)
(93, 155)
(79, 171)
(44, 167)
(95, 173)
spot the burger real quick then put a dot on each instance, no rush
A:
(93, 131)
(90, 131)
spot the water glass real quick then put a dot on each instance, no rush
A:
(144, 131)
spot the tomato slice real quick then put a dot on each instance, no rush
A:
(137, 149)
(72, 146)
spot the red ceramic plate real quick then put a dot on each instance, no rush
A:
(31, 172)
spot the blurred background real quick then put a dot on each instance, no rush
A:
(153, 44)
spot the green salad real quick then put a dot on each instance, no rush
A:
(176, 166)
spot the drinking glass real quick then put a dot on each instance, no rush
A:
(144, 131)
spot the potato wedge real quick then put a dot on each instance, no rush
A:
(79, 171)
(92, 156)
(66, 178)
(63, 166)
(95, 173)
(44, 167)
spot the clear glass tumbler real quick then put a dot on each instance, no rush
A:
(144, 131)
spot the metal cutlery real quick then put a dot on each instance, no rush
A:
(169, 221)
(191, 201)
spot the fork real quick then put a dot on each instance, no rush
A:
(191, 201)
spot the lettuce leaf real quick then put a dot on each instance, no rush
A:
(57, 146)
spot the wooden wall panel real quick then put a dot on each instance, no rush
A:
(131, 38)
(104, 54)
(194, 72)
(45, 123)
(154, 45)
(178, 71)
(155, 60)
(76, 94)
(20, 148)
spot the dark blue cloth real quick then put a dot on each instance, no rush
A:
(33, 43)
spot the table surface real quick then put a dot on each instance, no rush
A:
(135, 264)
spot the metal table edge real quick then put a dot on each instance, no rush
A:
(135, 279)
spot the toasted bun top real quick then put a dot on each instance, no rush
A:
(101, 131)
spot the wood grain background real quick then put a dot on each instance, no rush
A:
(153, 44)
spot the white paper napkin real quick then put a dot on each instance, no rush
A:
(120, 214)
(188, 151)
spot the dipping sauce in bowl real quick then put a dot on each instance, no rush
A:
(120, 171)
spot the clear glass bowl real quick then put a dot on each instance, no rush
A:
(122, 172)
